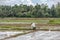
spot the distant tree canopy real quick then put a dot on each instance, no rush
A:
(37, 11)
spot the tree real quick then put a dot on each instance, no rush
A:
(31, 11)
(53, 11)
(58, 9)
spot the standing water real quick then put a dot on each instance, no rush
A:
(39, 35)
(4, 34)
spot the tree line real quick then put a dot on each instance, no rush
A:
(37, 11)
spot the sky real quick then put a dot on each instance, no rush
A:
(29, 2)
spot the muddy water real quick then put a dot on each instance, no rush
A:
(39, 35)
(4, 34)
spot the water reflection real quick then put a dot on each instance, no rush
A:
(39, 35)
(33, 36)
(4, 34)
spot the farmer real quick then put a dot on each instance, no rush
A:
(33, 26)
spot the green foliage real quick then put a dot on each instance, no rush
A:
(54, 21)
(37, 11)
(51, 20)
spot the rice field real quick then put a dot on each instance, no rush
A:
(39, 35)
(25, 23)
(47, 28)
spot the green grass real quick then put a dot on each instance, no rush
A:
(27, 21)
(50, 21)
(13, 28)
(23, 28)
(36, 20)
(54, 21)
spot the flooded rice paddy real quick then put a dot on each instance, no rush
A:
(38, 35)
(4, 34)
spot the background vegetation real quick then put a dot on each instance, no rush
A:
(37, 11)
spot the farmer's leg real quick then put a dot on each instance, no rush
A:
(34, 28)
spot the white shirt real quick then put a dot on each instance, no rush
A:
(33, 25)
